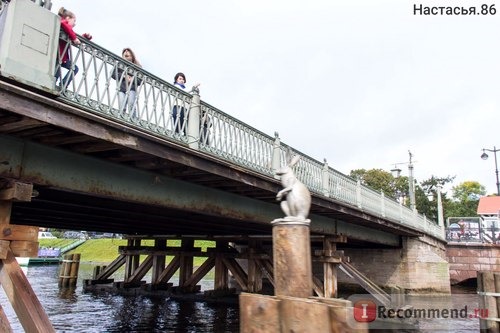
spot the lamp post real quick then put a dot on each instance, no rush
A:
(484, 156)
(396, 172)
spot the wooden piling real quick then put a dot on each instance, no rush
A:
(292, 258)
(19, 241)
(69, 270)
(488, 286)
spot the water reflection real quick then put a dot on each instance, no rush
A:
(72, 310)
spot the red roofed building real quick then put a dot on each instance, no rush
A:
(489, 206)
(489, 210)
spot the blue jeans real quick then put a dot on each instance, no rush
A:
(69, 75)
(128, 102)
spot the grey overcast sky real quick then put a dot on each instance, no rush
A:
(356, 82)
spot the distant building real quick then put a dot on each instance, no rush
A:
(484, 229)
(488, 210)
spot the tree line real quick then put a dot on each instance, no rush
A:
(463, 200)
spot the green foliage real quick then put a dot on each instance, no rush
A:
(376, 179)
(464, 200)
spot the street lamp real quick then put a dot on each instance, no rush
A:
(484, 156)
(396, 172)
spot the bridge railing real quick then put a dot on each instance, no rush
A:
(220, 134)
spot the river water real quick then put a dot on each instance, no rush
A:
(75, 311)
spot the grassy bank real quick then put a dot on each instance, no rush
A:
(105, 250)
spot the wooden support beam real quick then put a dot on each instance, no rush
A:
(221, 274)
(22, 297)
(170, 270)
(200, 272)
(4, 322)
(313, 315)
(259, 313)
(111, 268)
(267, 269)
(5, 210)
(318, 286)
(254, 271)
(238, 272)
(329, 266)
(131, 261)
(158, 261)
(17, 192)
(141, 271)
(18, 232)
(4, 248)
(186, 261)
(24, 248)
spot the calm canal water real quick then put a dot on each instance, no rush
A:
(76, 311)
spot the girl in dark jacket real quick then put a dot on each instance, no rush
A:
(128, 83)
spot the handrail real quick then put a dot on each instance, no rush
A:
(220, 134)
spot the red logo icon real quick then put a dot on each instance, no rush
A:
(365, 311)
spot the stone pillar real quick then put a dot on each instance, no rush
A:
(325, 179)
(193, 124)
(292, 257)
(276, 160)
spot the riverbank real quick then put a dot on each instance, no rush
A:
(105, 250)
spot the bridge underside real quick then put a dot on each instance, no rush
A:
(91, 173)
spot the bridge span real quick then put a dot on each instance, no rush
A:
(72, 157)
(90, 164)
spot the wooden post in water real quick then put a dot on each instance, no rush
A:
(292, 258)
(488, 287)
(293, 309)
(69, 270)
(17, 288)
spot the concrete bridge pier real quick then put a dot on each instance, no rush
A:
(419, 265)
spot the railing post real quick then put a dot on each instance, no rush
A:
(193, 125)
(358, 193)
(325, 179)
(382, 203)
(276, 162)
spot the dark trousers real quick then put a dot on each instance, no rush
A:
(69, 75)
(178, 113)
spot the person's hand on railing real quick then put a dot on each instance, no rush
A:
(87, 36)
(196, 88)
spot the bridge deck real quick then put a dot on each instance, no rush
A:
(33, 118)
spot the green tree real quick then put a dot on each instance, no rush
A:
(465, 199)
(377, 179)
(398, 188)
(426, 196)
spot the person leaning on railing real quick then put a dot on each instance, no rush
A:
(178, 110)
(68, 22)
(127, 84)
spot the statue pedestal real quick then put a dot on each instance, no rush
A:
(292, 257)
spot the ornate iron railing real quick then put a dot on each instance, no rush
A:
(95, 88)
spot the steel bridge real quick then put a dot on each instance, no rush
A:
(97, 166)
(73, 155)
